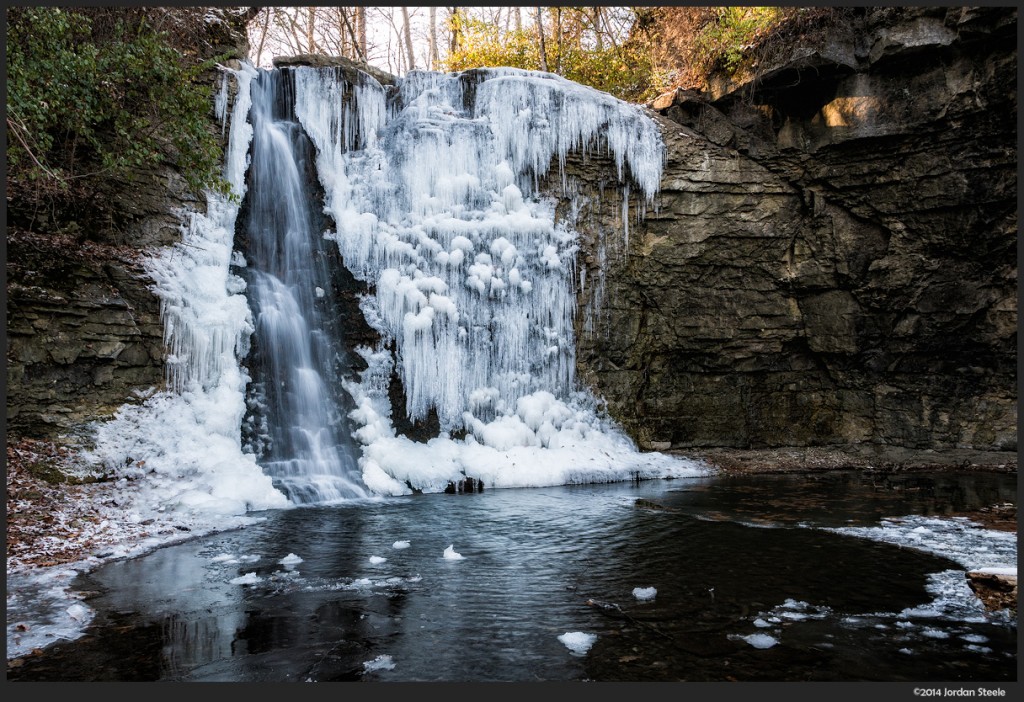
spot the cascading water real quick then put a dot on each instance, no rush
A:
(431, 199)
(303, 447)
(434, 192)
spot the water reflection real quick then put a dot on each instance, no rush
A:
(734, 562)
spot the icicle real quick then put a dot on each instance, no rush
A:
(435, 205)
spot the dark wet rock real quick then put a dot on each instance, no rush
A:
(350, 67)
(831, 260)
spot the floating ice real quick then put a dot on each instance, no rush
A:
(381, 662)
(974, 638)
(290, 560)
(451, 555)
(247, 579)
(377, 560)
(760, 640)
(978, 649)
(78, 612)
(577, 641)
(644, 593)
(223, 558)
(400, 544)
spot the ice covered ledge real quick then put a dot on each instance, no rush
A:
(324, 61)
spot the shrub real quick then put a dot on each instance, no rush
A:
(96, 94)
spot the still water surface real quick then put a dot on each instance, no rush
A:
(735, 561)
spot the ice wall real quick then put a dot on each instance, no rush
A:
(180, 450)
(433, 191)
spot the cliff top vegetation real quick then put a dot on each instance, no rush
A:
(96, 94)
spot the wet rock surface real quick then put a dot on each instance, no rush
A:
(831, 258)
(83, 333)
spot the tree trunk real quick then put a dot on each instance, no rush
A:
(361, 31)
(310, 40)
(407, 30)
(558, 40)
(433, 38)
(359, 53)
(540, 34)
(263, 37)
(454, 22)
(519, 20)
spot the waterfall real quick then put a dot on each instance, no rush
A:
(428, 194)
(303, 448)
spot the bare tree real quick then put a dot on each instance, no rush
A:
(310, 41)
(263, 34)
(540, 34)
(407, 31)
(361, 31)
(433, 38)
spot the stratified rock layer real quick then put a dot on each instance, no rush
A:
(84, 333)
(832, 256)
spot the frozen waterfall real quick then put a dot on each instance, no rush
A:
(433, 191)
(429, 194)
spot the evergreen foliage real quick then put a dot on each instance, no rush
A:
(96, 94)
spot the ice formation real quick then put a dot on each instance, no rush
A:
(432, 198)
(186, 442)
(434, 194)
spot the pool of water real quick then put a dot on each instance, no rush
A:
(705, 579)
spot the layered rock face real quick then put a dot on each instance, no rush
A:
(832, 257)
(84, 334)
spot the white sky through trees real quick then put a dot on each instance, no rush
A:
(287, 31)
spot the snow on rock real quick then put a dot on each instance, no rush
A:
(290, 560)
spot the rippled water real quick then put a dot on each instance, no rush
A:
(736, 564)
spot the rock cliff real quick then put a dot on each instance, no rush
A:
(84, 333)
(832, 257)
